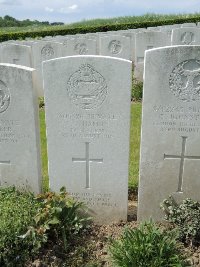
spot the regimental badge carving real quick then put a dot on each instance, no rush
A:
(187, 38)
(81, 48)
(4, 97)
(87, 88)
(47, 52)
(115, 47)
(184, 80)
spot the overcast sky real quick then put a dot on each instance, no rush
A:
(76, 10)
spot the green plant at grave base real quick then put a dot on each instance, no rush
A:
(146, 246)
(15, 216)
(28, 222)
(137, 90)
(185, 216)
(58, 217)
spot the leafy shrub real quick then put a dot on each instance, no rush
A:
(185, 216)
(137, 90)
(146, 246)
(16, 213)
(58, 217)
(28, 222)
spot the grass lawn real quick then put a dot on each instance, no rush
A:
(134, 146)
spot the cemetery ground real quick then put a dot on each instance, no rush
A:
(90, 246)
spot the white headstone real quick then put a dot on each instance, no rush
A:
(144, 41)
(81, 46)
(189, 24)
(87, 116)
(115, 46)
(19, 130)
(186, 36)
(16, 54)
(42, 51)
(170, 150)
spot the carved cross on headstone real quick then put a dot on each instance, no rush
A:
(1, 163)
(87, 161)
(182, 157)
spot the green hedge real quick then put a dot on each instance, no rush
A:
(93, 29)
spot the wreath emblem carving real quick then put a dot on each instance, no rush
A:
(87, 88)
(184, 80)
(4, 97)
(115, 47)
(47, 52)
(81, 48)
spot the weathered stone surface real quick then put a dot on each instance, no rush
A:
(115, 46)
(186, 36)
(42, 51)
(189, 24)
(81, 46)
(170, 151)
(87, 116)
(16, 54)
(19, 130)
(144, 41)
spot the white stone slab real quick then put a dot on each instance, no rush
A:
(168, 29)
(42, 51)
(81, 46)
(115, 46)
(144, 41)
(131, 35)
(186, 36)
(87, 117)
(170, 150)
(189, 24)
(153, 28)
(19, 130)
(16, 54)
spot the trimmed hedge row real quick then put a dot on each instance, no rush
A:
(93, 29)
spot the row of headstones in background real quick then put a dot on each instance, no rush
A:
(165, 37)
(32, 54)
(87, 103)
(129, 44)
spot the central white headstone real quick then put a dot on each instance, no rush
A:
(87, 116)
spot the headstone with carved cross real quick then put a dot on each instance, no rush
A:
(170, 150)
(19, 129)
(87, 116)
